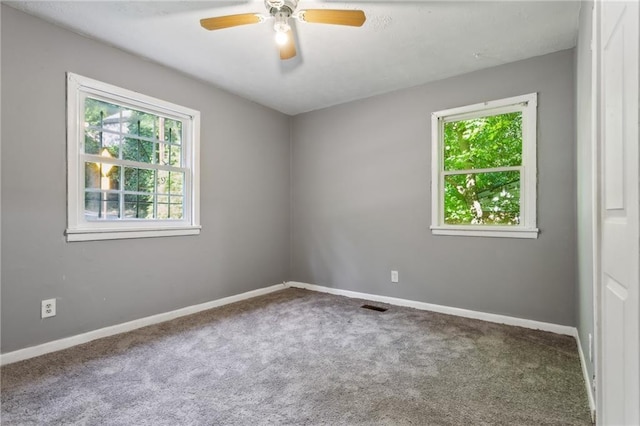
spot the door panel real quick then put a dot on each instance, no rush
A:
(614, 148)
(618, 44)
(613, 339)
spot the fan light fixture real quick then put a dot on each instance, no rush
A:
(281, 11)
(281, 38)
(281, 26)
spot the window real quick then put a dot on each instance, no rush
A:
(484, 169)
(132, 164)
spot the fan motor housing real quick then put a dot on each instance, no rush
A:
(281, 6)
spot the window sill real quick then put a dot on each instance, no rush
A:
(488, 231)
(111, 234)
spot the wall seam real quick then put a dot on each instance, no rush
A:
(290, 272)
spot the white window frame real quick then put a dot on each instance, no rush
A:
(80, 229)
(527, 104)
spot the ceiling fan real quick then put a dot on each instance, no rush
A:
(281, 11)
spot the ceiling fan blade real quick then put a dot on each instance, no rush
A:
(353, 18)
(288, 50)
(220, 22)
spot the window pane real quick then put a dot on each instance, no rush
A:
(112, 206)
(482, 198)
(162, 182)
(175, 208)
(101, 176)
(175, 155)
(101, 114)
(163, 210)
(169, 155)
(110, 152)
(92, 142)
(137, 150)
(162, 154)
(139, 180)
(110, 142)
(110, 176)
(138, 206)
(176, 182)
(101, 206)
(91, 175)
(485, 142)
(138, 123)
(172, 131)
(170, 182)
(109, 119)
(91, 205)
(170, 207)
(95, 141)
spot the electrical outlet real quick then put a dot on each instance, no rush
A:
(48, 308)
(590, 348)
(394, 276)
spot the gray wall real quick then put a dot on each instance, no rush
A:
(356, 178)
(584, 310)
(244, 243)
(361, 199)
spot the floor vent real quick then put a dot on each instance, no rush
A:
(374, 308)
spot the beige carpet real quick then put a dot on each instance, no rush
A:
(297, 357)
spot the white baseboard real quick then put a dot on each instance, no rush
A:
(501, 319)
(587, 379)
(68, 342)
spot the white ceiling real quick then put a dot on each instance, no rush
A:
(402, 43)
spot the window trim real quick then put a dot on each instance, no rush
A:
(79, 229)
(527, 104)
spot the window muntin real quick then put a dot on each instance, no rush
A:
(484, 174)
(133, 166)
